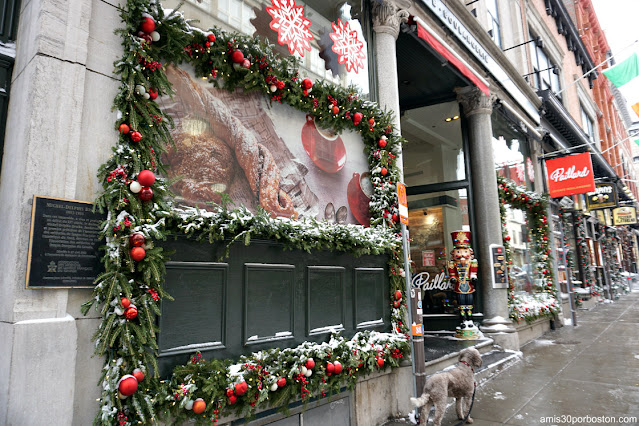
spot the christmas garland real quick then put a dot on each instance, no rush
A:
(609, 241)
(139, 212)
(544, 302)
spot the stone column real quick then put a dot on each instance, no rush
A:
(477, 108)
(387, 17)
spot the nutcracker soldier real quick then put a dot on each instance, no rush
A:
(462, 274)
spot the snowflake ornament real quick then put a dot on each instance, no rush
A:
(291, 26)
(349, 49)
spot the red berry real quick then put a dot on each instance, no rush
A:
(280, 84)
(384, 171)
(124, 128)
(237, 57)
(337, 367)
(211, 37)
(148, 25)
(281, 382)
(146, 178)
(138, 253)
(382, 143)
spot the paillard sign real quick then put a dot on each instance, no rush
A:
(570, 175)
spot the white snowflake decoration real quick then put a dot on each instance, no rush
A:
(291, 25)
(349, 49)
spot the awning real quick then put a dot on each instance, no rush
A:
(459, 64)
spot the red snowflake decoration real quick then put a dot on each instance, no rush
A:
(291, 26)
(349, 49)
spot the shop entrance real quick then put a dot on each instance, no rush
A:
(436, 175)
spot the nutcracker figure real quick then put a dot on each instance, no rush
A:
(462, 274)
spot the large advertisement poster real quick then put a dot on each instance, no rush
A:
(262, 155)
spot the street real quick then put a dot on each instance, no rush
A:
(569, 374)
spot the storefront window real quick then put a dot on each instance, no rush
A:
(522, 269)
(433, 217)
(435, 151)
(512, 160)
(251, 17)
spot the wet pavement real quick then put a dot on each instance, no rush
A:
(583, 375)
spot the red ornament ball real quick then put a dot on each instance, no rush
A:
(246, 64)
(384, 171)
(145, 194)
(507, 238)
(382, 143)
(310, 363)
(138, 374)
(398, 295)
(146, 178)
(136, 240)
(337, 367)
(153, 94)
(335, 109)
(131, 312)
(199, 406)
(380, 362)
(357, 117)
(307, 83)
(125, 302)
(395, 217)
(138, 253)
(128, 385)
(148, 25)
(124, 128)
(232, 399)
(237, 57)
(280, 84)
(397, 303)
(211, 37)
(136, 136)
(371, 121)
(281, 382)
(229, 392)
(241, 388)
(330, 368)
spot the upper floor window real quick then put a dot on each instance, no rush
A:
(588, 125)
(545, 75)
(493, 22)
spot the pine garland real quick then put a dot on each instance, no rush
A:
(545, 302)
(128, 342)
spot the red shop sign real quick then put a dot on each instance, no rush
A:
(570, 175)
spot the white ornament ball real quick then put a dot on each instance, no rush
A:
(273, 387)
(273, 88)
(308, 373)
(303, 370)
(384, 137)
(146, 96)
(402, 273)
(135, 187)
(140, 89)
(188, 405)
(155, 36)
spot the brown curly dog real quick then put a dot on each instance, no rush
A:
(458, 382)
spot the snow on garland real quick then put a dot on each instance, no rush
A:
(139, 212)
(544, 302)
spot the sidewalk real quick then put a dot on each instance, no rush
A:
(568, 374)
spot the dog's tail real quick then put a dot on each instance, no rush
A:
(421, 401)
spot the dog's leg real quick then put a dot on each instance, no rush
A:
(459, 407)
(440, 410)
(467, 402)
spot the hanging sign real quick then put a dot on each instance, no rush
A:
(624, 216)
(570, 175)
(604, 197)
